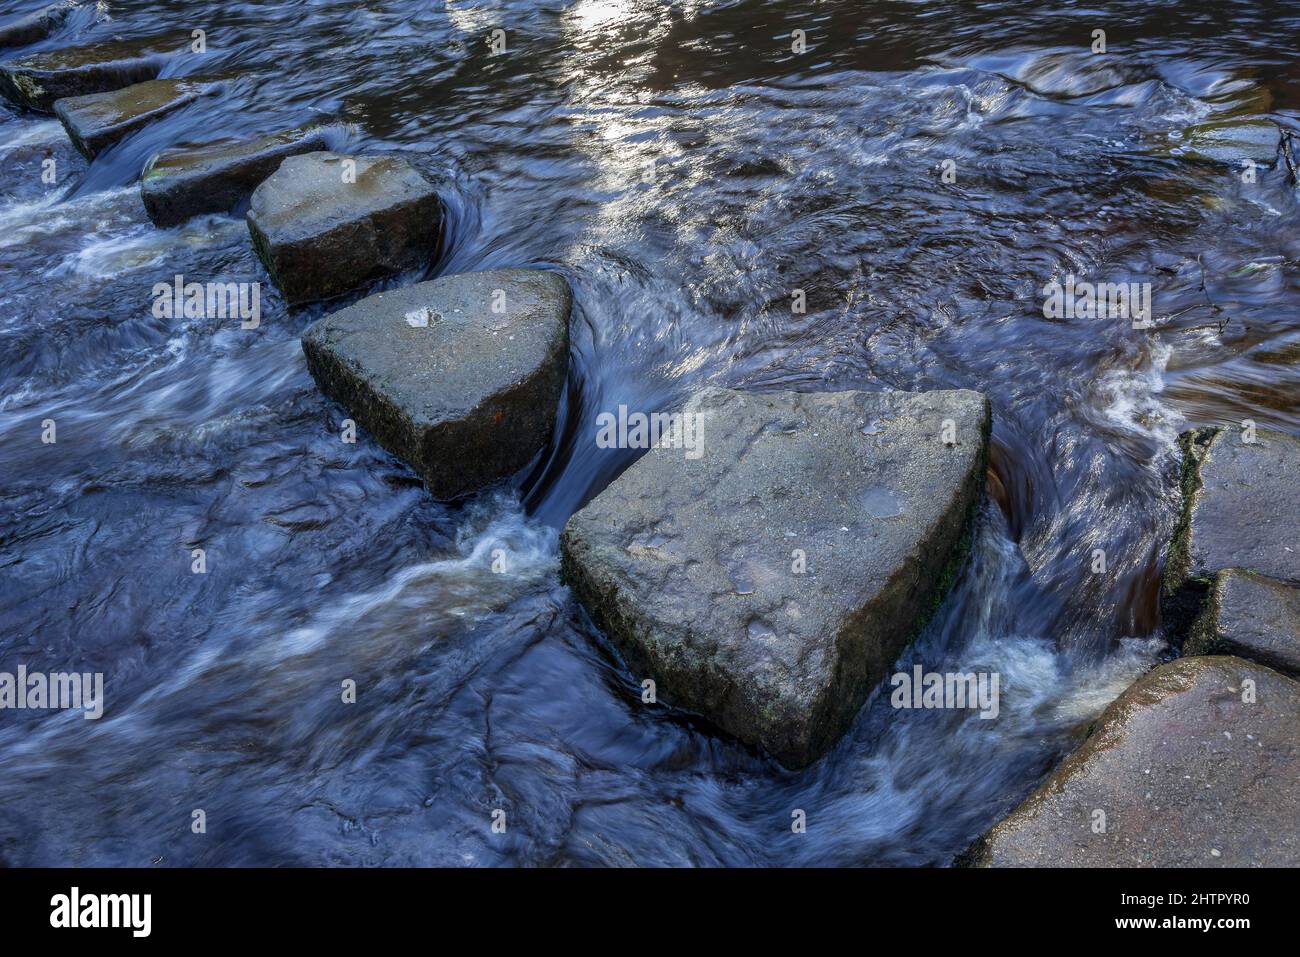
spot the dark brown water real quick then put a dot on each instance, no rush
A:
(773, 171)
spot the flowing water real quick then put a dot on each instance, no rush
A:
(686, 171)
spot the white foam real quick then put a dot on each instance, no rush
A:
(1130, 402)
(510, 549)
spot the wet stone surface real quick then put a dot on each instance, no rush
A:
(185, 181)
(97, 121)
(30, 27)
(37, 81)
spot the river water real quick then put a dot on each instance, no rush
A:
(685, 170)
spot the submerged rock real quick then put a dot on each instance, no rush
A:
(1251, 616)
(323, 226)
(1195, 765)
(18, 31)
(36, 81)
(182, 182)
(1239, 511)
(1231, 142)
(99, 120)
(769, 579)
(459, 376)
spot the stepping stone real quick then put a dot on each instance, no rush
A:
(19, 31)
(323, 227)
(1239, 511)
(1250, 616)
(459, 376)
(1186, 772)
(97, 121)
(690, 560)
(36, 81)
(182, 182)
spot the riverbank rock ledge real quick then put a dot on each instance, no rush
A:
(1239, 511)
(460, 376)
(1252, 616)
(1195, 765)
(37, 81)
(767, 573)
(97, 121)
(324, 224)
(187, 181)
(1239, 506)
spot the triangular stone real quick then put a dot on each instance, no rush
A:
(769, 577)
(459, 376)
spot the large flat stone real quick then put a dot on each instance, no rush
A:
(464, 393)
(320, 235)
(37, 81)
(21, 30)
(1239, 511)
(182, 182)
(97, 121)
(1251, 616)
(688, 564)
(1186, 773)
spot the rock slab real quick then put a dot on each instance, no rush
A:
(323, 226)
(1186, 772)
(459, 376)
(1239, 511)
(692, 565)
(1250, 616)
(35, 82)
(1232, 142)
(182, 182)
(97, 121)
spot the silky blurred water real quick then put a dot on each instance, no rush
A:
(686, 171)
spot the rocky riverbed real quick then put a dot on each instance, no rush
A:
(878, 455)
